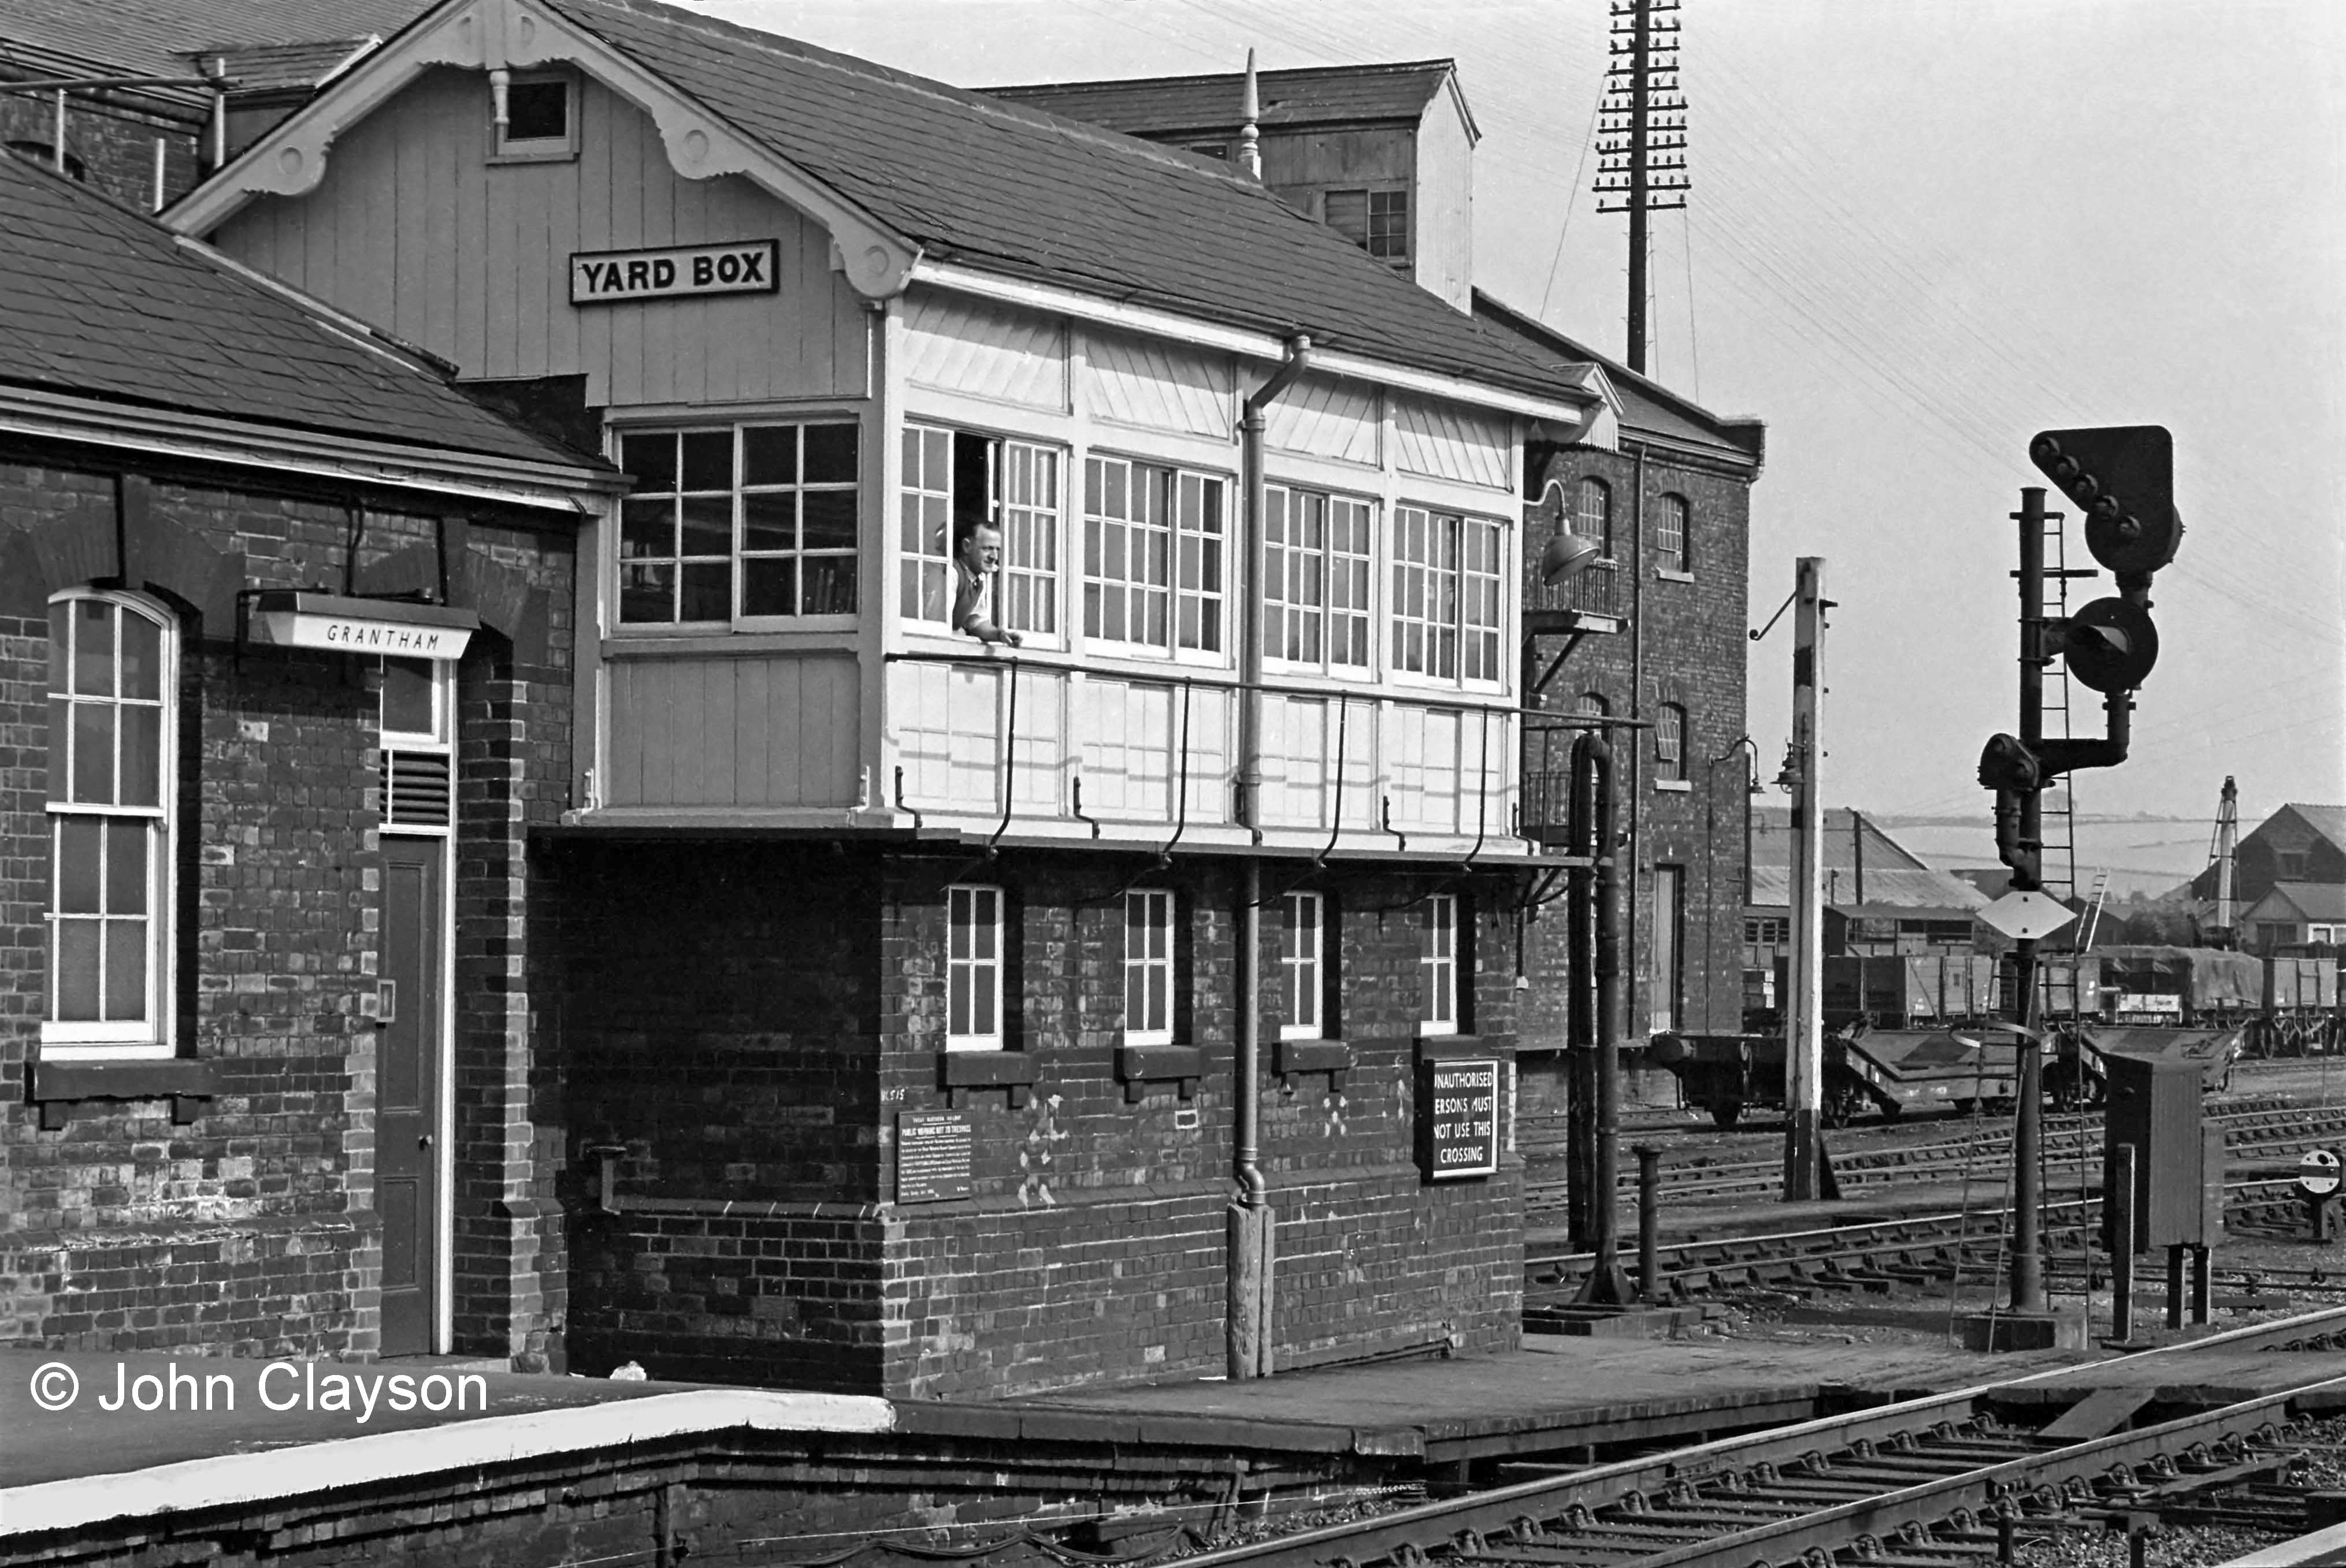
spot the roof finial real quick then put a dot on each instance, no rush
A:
(1249, 139)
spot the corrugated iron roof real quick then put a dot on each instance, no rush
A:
(1648, 407)
(1016, 192)
(1771, 841)
(1902, 894)
(98, 301)
(1316, 96)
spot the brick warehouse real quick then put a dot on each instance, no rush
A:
(1665, 489)
(220, 850)
(899, 976)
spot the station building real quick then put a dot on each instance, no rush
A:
(888, 987)
(285, 633)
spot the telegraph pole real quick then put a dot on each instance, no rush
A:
(1641, 138)
(1804, 1046)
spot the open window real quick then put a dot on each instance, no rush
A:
(540, 121)
(956, 480)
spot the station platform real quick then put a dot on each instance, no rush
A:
(89, 1467)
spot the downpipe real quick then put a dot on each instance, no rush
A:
(1251, 1228)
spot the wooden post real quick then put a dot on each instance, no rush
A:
(2122, 1243)
(1804, 1044)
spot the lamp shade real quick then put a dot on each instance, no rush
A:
(1564, 554)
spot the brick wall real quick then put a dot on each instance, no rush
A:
(1693, 654)
(749, 1022)
(110, 141)
(251, 1227)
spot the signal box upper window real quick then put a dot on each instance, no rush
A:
(541, 118)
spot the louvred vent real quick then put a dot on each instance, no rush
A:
(415, 789)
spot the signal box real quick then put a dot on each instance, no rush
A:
(2178, 1162)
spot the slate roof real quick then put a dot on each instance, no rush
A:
(2313, 900)
(1648, 407)
(98, 301)
(1016, 192)
(1179, 105)
(2330, 821)
(287, 67)
(156, 37)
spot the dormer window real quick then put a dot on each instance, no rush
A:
(1375, 220)
(541, 118)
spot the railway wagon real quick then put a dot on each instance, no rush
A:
(1894, 1073)
(1888, 1071)
(2300, 1013)
(2175, 987)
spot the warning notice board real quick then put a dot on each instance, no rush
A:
(1458, 1118)
(933, 1156)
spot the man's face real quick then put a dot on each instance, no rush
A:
(983, 549)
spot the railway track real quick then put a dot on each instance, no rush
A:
(1911, 1249)
(1940, 1481)
(2250, 1131)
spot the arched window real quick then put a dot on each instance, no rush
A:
(1669, 742)
(113, 674)
(1592, 705)
(1592, 514)
(1670, 552)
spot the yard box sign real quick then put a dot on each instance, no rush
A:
(1458, 1117)
(607, 277)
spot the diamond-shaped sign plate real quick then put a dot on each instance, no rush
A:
(2025, 917)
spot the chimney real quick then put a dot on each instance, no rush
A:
(1249, 137)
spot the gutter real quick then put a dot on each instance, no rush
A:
(281, 450)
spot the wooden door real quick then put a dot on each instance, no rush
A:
(407, 1093)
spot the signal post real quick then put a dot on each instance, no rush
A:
(2123, 478)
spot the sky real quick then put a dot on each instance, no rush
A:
(1919, 232)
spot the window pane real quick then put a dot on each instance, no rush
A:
(708, 526)
(769, 455)
(407, 687)
(538, 111)
(93, 752)
(60, 644)
(830, 519)
(708, 591)
(829, 586)
(646, 527)
(770, 522)
(142, 657)
(770, 586)
(126, 970)
(647, 593)
(831, 451)
(708, 460)
(76, 982)
(142, 756)
(60, 748)
(93, 648)
(651, 459)
(126, 866)
(958, 1010)
(78, 845)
